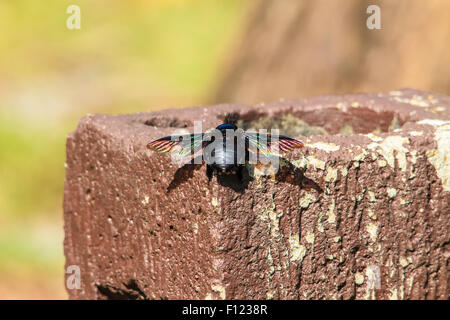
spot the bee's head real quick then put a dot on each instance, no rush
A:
(231, 118)
(226, 126)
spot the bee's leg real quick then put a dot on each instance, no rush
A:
(209, 172)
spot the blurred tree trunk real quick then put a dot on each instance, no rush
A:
(299, 48)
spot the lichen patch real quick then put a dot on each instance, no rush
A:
(372, 229)
(331, 175)
(316, 163)
(416, 100)
(298, 251)
(331, 214)
(440, 157)
(372, 197)
(306, 199)
(392, 148)
(359, 278)
(392, 193)
(220, 289)
(310, 237)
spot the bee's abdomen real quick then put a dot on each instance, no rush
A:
(224, 158)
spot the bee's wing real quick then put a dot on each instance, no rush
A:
(183, 144)
(267, 145)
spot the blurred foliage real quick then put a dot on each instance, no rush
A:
(128, 56)
(31, 167)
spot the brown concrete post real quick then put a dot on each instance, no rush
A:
(361, 215)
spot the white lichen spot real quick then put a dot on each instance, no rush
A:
(330, 257)
(145, 201)
(394, 294)
(392, 148)
(337, 239)
(433, 122)
(405, 202)
(300, 163)
(438, 109)
(306, 199)
(392, 193)
(208, 296)
(411, 283)
(298, 251)
(416, 100)
(344, 171)
(404, 262)
(331, 175)
(316, 163)
(389, 264)
(372, 197)
(275, 223)
(440, 157)
(413, 157)
(416, 133)
(195, 228)
(359, 197)
(342, 106)
(310, 237)
(331, 214)
(382, 163)
(220, 290)
(373, 137)
(214, 202)
(327, 147)
(372, 214)
(320, 227)
(359, 278)
(372, 229)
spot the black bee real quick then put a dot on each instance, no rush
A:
(227, 149)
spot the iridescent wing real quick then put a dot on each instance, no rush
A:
(183, 144)
(268, 145)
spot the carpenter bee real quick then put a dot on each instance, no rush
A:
(227, 149)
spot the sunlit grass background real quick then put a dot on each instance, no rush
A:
(130, 55)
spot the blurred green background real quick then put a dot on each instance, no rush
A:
(128, 56)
